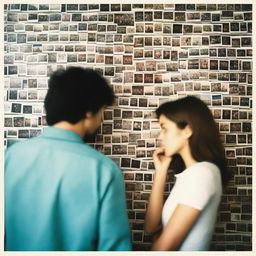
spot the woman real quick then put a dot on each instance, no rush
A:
(190, 139)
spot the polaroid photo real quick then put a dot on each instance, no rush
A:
(126, 125)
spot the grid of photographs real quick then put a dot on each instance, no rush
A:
(150, 54)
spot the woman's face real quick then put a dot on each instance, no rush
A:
(173, 139)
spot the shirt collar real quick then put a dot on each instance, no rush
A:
(61, 134)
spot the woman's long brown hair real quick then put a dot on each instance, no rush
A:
(205, 143)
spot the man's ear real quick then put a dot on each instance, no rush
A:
(188, 131)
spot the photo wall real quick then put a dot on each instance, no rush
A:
(150, 54)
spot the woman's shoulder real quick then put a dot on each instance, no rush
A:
(203, 170)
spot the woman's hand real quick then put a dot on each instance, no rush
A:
(161, 161)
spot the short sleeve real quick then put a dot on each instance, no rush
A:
(197, 187)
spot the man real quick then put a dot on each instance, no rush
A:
(61, 194)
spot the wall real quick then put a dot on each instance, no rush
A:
(151, 53)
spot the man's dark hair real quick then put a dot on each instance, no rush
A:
(74, 92)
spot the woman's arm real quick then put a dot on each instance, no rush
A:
(155, 205)
(177, 228)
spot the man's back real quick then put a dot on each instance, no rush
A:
(61, 194)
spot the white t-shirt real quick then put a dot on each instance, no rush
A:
(198, 186)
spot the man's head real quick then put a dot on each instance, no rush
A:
(76, 94)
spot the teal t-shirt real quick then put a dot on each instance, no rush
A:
(62, 195)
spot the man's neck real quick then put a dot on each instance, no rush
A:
(77, 128)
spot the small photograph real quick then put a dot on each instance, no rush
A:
(139, 16)
(158, 54)
(16, 108)
(203, 63)
(128, 38)
(194, 52)
(175, 77)
(158, 15)
(177, 28)
(158, 78)
(158, 27)
(236, 42)
(175, 42)
(242, 77)
(223, 76)
(149, 90)
(35, 133)
(8, 122)
(215, 39)
(213, 52)
(224, 127)
(150, 65)
(13, 95)
(12, 70)
(55, 17)
(128, 77)
(224, 65)
(166, 54)
(127, 60)
(137, 113)
(214, 65)
(134, 102)
(138, 41)
(148, 16)
(193, 64)
(187, 29)
(174, 55)
(216, 100)
(166, 41)
(148, 78)
(148, 53)
(180, 16)
(139, 27)
(185, 41)
(137, 125)
(215, 87)
(126, 7)
(168, 15)
(140, 66)
(23, 95)
(241, 53)
(143, 102)
(32, 95)
(149, 28)
(8, 59)
(32, 83)
(193, 16)
(118, 38)
(138, 78)
(207, 28)
(246, 65)
(82, 57)
(167, 28)
(234, 26)
(183, 54)
(18, 121)
(115, 7)
(172, 66)
(106, 128)
(231, 52)
(12, 133)
(140, 153)
(23, 134)
(124, 19)
(148, 41)
(196, 41)
(126, 125)
(246, 41)
(123, 101)
(138, 90)
(157, 41)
